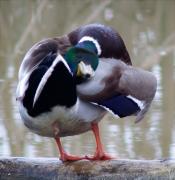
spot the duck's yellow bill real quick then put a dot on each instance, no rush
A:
(84, 70)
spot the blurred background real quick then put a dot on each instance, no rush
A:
(148, 29)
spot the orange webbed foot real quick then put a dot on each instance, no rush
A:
(103, 156)
(67, 157)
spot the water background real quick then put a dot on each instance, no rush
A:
(148, 29)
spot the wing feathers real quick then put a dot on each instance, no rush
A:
(126, 90)
(48, 73)
(121, 105)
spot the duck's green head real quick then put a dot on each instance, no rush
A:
(82, 60)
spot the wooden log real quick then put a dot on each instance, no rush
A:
(13, 168)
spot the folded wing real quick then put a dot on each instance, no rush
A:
(122, 89)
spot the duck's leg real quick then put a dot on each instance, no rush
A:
(99, 154)
(63, 155)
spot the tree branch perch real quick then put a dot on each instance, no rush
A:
(52, 168)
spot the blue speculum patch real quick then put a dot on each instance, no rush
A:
(121, 105)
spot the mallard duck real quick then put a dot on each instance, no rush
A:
(67, 84)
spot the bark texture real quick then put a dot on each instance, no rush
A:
(12, 168)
